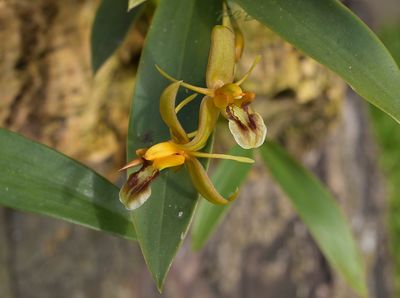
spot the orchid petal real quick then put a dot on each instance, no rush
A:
(221, 61)
(161, 150)
(248, 73)
(169, 162)
(136, 189)
(201, 90)
(192, 134)
(222, 156)
(203, 184)
(247, 128)
(208, 116)
(168, 114)
(184, 102)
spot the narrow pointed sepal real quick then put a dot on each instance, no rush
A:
(203, 184)
(208, 116)
(247, 127)
(168, 114)
(136, 190)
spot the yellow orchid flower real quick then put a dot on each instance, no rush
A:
(246, 126)
(174, 153)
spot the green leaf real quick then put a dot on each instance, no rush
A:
(331, 34)
(319, 212)
(110, 26)
(38, 179)
(390, 36)
(227, 177)
(133, 3)
(387, 134)
(178, 41)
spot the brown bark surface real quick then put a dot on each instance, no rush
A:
(262, 249)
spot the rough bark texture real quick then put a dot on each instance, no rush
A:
(261, 250)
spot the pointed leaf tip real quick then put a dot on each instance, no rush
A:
(320, 213)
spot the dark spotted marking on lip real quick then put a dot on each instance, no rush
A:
(250, 124)
(233, 117)
(132, 185)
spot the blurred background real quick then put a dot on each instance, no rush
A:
(262, 249)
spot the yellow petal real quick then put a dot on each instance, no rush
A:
(168, 162)
(203, 184)
(222, 156)
(184, 102)
(201, 90)
(208, 116)
(192, 134)
(248, 73)
(136, 189)
(161, 150)
(247, 128)
(221, 60)
(167, 111)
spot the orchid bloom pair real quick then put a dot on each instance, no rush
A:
(222, 96)
(178, 151)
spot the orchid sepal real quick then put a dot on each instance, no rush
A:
(221, 60)
(203, 184)
(208, 116)
(168, 114)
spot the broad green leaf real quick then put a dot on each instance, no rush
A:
(110, 26)
(331, 34)
(390, 36)
(38, 179)
(387, 134)
(227, 177)
(133, 3)
(178, 41)
(319, 212)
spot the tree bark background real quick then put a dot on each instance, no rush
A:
(261, 249)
